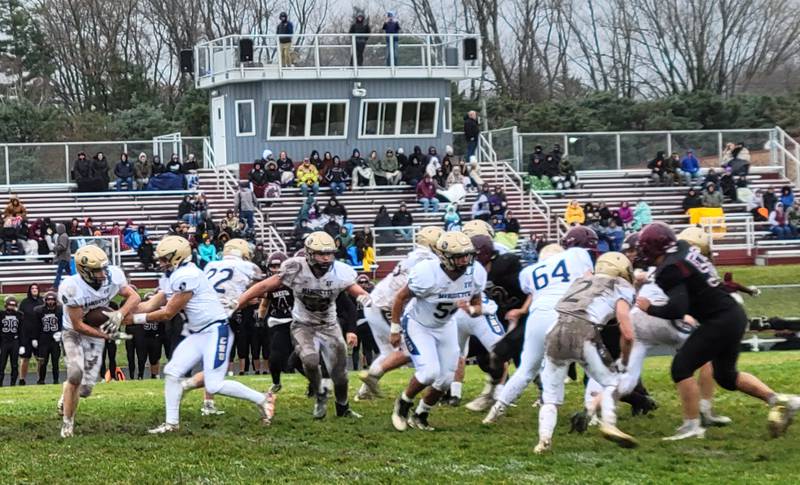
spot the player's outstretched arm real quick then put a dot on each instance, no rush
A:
(270, 284)
(174, 305)
(76, 317)
(625, 330)
(132, 300)
(360, 293)
(154, 303)
(514, 315)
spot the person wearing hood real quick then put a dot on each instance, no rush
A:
(417, 154)
(690, 167)
(258, 178)
(659, 174)
(390, 168)
(82, 173)
(142, 171)
(727, 186)
(712, 197)
(124, 172)
(403, 218)
(779, 224)
(451, 218)
(157, 167)
(360, 29)
(574, 214)
(337, 177)
(402, 159)
(391, 27)
(642, 215)
(536, 167)
(413, 172)
(567, 178)
(336, 211)
(433, 163)
(426, 194)
(692, 200)
(361, 169)
(272, 173)
(62, 254)
(307, 178)
(15, 208)
(29, 335)
(100, 170)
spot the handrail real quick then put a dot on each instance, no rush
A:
(561, 224)
(708, 225)
(785, 153)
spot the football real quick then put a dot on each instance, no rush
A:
(96, 317)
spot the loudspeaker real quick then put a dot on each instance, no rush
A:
(187, 60)
(470, 49)
(245, 50)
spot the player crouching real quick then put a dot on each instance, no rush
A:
(589, 304)
(93, 287)
(185, 288)
(436, 290)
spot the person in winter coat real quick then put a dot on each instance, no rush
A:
(451, 218)
(157, 168)
(574, 214)
(258, 178)
(100, 170)
(286, 166)
(360, 29)
(337, 177)
(307, 178)
(426, 194)
(642, 215)
(403, 218)
(727, 186)
(690, 168)
(659, 172)
(124, 171)
(82, 173)
(787, 197)
(472, 131)
(285, 30)
(779, 223)
(142, 170)
(692, 200)
(712, 197)
(246, 203)
(206, 252)
(336, 211)
(361, 169)
(29, 334)
(15, 208)
(62, 254)
(390, 168)
(413, 172)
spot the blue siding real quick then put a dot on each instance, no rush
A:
(247, 148)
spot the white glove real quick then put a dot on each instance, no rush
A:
(114, 321)
(35, 344)
(21, 349)
(619, 367)
(364, 300)
(57, 336)
(756, 291)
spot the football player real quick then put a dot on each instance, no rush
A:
(545, 283)
(379, 314)
(436, 290)
(48, 318)
(479, 227)
(185, 288)
(693, 287)
(94, 285)
(277, 308)
(316, 280)
(590, 303)
(10, 337)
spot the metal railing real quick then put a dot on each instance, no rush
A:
(333, 55)
(788, 152)
(390, 244)
(717, 227)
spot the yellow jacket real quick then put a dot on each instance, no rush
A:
(307, 174)
(574, 214)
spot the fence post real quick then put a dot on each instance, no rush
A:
(719, 146)
(619, 152)
(8, 172)
(669, 143)
(565, 146)
(66, 162)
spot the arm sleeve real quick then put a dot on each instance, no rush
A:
(676, 307)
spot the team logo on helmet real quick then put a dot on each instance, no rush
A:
(427, 236)
(320, 243)
(452, 247)
(91, 263)
(173, 251)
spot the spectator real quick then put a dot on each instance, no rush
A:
(402, 218)
(614, 235)
(433, 158)
(391, 27)
(186, 210)
(360, 30)
(537, 156)
(15, 208)
(307, 178)
(200, 208)
(174, 164)
(659, 173)
(454, 178)
(770, 199)
(755, 206)
(674, 168)
(336, 211)
(787, 197)
(117, 231)
(739, 162)
(124, 172)
(206, 252)
(88, 227)
(481, 208)
(100, 171)
(439, 179)
(779, 224)
(727, 154)
(146, 253)
(556, 153)
(551, 168)
(642, 215)
(62, 254)
(426, 194)
(472, 132)
(246, 203)
(692, 200)
(728, 186)
(157, 167)
(414, 172)
(528, 252)
(361, 169)
(286, 166)
(258, 178)
(711, 197)
(711, 178)
(142, 170)
(604, 213)
(390, 168)
(451, 218)
(616, 218)
(741, 152)
(345, 240)
(402, 159)
(230, 221)
(374, 164)
(383, 219)
(793, 215)
(260, 257)
(574, 215)
(318, 162)
(498, 200)
(327, 162)
(512, 223)
(690, 167)
(82, 173)
(537, 173)
(448, 156)
(567, 178)
(285, 31)
(337, 177)
(189, 165)
(419, 155)
(273, 174)
(74, 228)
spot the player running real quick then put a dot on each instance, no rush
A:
(436, 290)
(94, 285)
(379, 314)
(545, 283)
(185, 288)
(590, 303)
(276, 308)
(693, 287)
(316, 280)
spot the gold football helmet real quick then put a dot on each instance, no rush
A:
(697, 237)
(550, 250)
(91, 263)
(477, 227)
(453, 246)
(614, 264)
(237, 247)
(172, 251)
(320, 248)
(427, 236)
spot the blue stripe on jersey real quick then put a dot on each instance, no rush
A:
(221, 348)
(412, 349)
(494, 325)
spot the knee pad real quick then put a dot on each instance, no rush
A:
(726, 378)
(85, 391)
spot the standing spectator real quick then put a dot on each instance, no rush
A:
(426, 194)
(206, 252)
(143, 170)
(472, 132)
(358, 29)
(711, 197)
(307, 178)
(286, 166)
(100, 170)
(29, 329)
(258, 177)
(390, 168)
(62, 254)
(82, 173)
(361, 169)
(779, 224)
(690, 167)
(15, 208)
(642, 215)
(337, 177)
(10, 331)
(402, 218)
(574, 214)
(124, 172)
(246, 203)
(391, 27)
(285, 31)
(691, 201)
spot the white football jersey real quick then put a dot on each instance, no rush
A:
(384, 292)
(231, 276)
(315, 298)
(73, 291)
(594, 298)
(204, 307)
(549, 280)
(435, 294)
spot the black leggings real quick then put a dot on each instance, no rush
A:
(366, 343)
(259, 343)
(244, 338)
(148, 348)
(110, 351)
(49, 350)
(716, 340)
(280, 347)
(9, 350)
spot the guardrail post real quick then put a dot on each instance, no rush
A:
(565, 146)
(619, 152)
(719, 145)
(66, 163)
(669, 143)
(8, 172)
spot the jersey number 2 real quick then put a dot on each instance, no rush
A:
(541, 279)
(225, 273)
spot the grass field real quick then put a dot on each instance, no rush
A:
(111, 445)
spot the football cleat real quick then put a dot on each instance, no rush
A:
(363, 394)
(453, 401)
(579, 422)
(321, 405)
(267, 408)
(781, 413)
(210, 409)
(543, 447)
(275, 388)
(371, 382)
(498, 410)
(420, 421)
(164, 428)
(612, 433)
(643, 406)
(400, 414)
(709, 419)
(686, 431)
(344, 411)
(480, 403)
(67, 429)
(60, 406)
